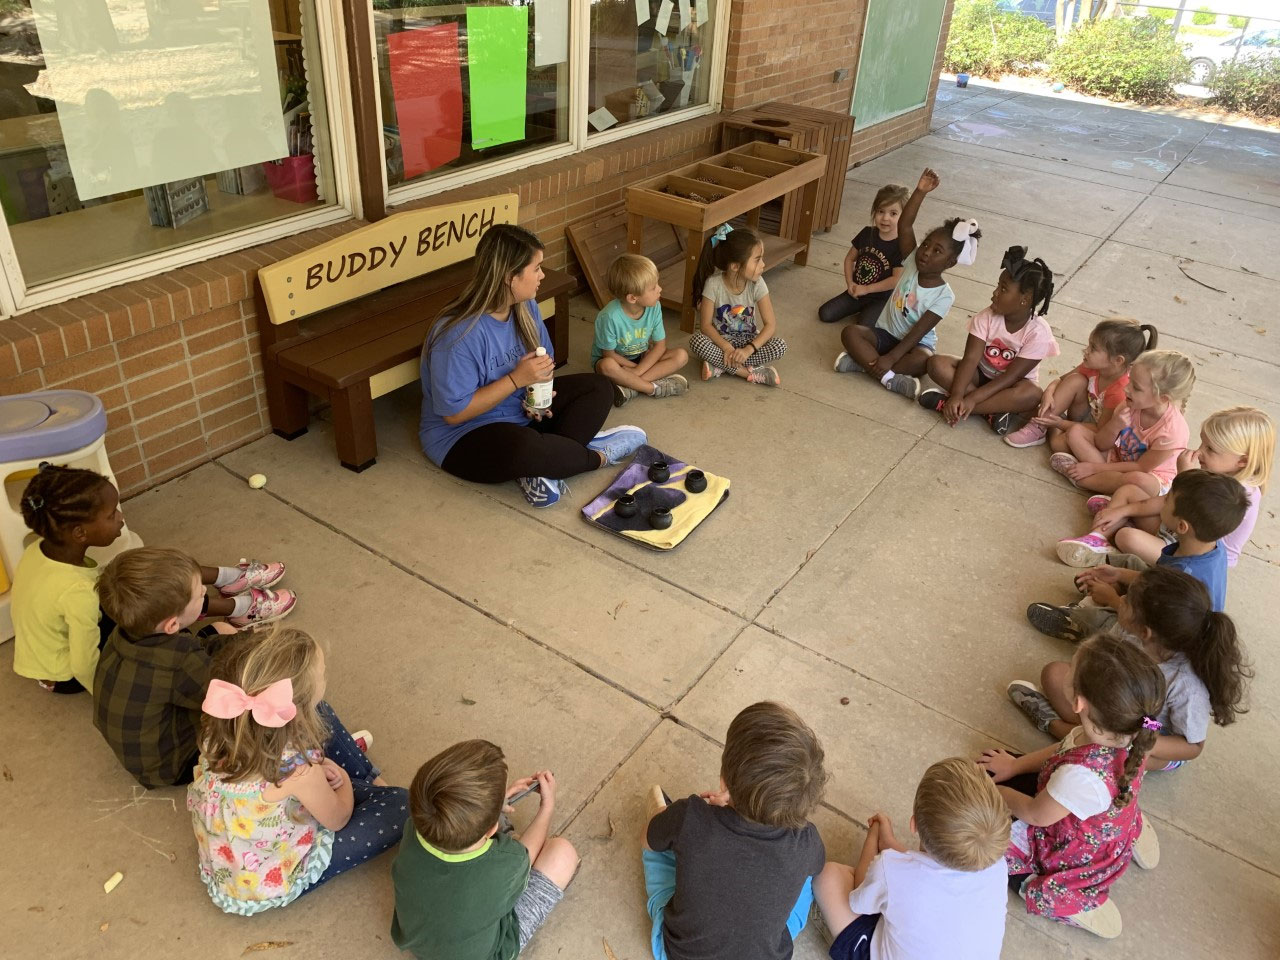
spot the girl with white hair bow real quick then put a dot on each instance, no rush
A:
(897, 350)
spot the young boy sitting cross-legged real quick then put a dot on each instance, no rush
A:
(630, 345)
(153, 670)
(464, 890)
(729, 874)
(946, 899)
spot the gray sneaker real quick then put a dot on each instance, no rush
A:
(1030, 699)
(621, 394)
(1054, 622)
(672, 386)
(908, 387)
(846, 364)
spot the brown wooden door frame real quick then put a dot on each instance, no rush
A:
(357, 21)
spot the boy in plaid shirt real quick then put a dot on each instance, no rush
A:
(153, 670)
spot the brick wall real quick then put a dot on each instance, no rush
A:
(175, 358)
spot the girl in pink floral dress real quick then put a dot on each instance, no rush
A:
(283, 798)
(1075, 832)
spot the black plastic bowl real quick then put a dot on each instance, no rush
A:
(660, 518)
(695, 481)
(659, 471)
(625, 506)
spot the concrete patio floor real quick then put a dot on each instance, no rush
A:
(871, 568)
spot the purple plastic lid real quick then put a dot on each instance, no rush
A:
(49, 423)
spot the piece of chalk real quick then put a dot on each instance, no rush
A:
(258, 481)
(112, 882)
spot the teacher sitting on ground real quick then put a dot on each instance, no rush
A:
(476, 363)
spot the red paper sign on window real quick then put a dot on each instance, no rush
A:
(426, 81)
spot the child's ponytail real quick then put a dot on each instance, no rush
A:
(1175, 607)
(725, 246)
(1122, 337)
(1125, 692)
(60, 497)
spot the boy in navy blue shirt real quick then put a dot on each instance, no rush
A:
(1200, 509)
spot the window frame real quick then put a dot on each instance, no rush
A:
(16, 296)
(580, 137)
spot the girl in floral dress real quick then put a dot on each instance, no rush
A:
(283, 797)
(1076, 829)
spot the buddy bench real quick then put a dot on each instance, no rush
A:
(345, 321)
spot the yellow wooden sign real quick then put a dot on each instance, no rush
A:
(401, 247)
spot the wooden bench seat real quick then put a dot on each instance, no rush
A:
(350, 350)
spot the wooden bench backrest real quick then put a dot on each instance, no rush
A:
(401, 247)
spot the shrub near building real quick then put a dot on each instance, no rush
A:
(1124, 59)
(1248, 85)
(988, 41)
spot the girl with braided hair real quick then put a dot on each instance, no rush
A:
(58, 626)
(1074, 837)
(997, 375)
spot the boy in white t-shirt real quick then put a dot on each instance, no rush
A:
(946, 899)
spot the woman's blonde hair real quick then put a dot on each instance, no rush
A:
(1247, 432)
(1173, 375)
(504, 251)
(243, 749)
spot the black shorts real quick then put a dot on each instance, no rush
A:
(854, 942)
(885, 341)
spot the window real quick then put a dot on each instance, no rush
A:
(464, 84)
(524, 81)
(133, 127)
(648, 57)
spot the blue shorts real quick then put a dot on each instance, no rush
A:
(660, 887)
(854, 942)
(886, 341)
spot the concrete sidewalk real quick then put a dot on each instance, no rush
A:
(871, 569)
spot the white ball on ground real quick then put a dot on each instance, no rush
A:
(258, 481)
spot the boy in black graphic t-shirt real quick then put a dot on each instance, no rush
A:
(873, 263)
(747, 854)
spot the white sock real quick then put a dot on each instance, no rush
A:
(886, 378)
(243, 603)
(226, 575)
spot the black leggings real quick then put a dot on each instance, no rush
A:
(866, 309)
(554, 448)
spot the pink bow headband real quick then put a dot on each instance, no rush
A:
(273, 707)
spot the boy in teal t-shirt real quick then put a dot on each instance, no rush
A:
(630, 346)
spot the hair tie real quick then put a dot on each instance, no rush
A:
(720, 233)
(273, 707)
(1149, 723)
(963, 232)
(44, 465)
(35, 501)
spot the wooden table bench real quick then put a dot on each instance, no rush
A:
(336, 328)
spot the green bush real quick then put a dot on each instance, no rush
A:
(1248, 85)
(1204, 17)
(1238, 23)
(1162, 13)
(1123, 59)
(986, 41)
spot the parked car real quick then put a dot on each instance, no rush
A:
(1207, 54)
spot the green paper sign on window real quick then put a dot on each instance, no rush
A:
(498, 64)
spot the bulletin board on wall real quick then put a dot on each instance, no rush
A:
(899, 44)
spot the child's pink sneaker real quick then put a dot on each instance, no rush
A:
(1087, 551)
(267, 605)
(253, 575)
(1061, 463)
(1028, 435)
(1096, 504)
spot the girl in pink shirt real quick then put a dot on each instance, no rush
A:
(996, 376)
(1239, 442)
(1140, 444)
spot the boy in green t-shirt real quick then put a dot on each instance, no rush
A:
(630, 345)
(465, 891)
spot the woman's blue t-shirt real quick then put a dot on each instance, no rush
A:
(460, 363)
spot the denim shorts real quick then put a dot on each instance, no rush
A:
(886, 341)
